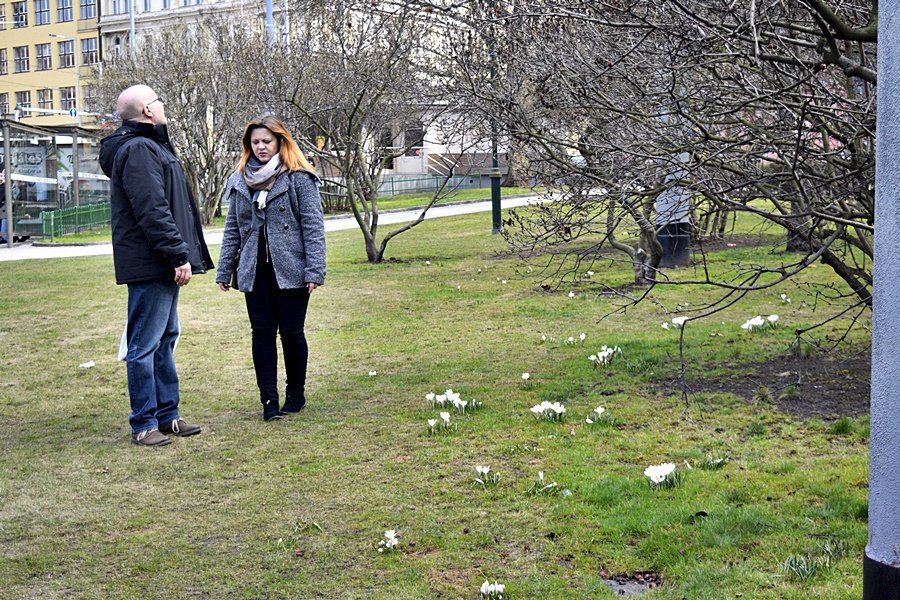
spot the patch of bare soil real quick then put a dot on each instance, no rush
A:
(817, 386)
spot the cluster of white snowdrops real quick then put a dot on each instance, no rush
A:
(492, 590)
(758, 322)
(605, 355)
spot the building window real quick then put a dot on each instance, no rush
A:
(20, 14)
(20, 59)
(88, 9)
(41, 12)
(66, 53)
(119, 7)
(4, 66)
(67, 98)
(64, 10)
(45, 98)
(89, 54)
(148, 5)
(42, 56)
(23, 99)
(2, 17)
(4, 103)
(167, 3)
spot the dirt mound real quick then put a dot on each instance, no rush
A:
(817, 386)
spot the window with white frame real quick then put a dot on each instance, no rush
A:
(23, 99)
(89, 53)
(20, 14)
(66, 51)
(20, 59)
(88, 9)
(45, 98)
(67, 98)
(167, 3)
(41, 12)
(4, 103)
(2, 17)
(4, 65)
(148, 5)
(64, 11)
(119, 7)
(43, 57)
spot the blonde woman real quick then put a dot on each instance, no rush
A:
(273, 250)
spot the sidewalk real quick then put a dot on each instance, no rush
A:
(27, 251)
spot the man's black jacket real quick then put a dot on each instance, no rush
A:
(155, 223)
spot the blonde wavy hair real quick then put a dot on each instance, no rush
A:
(288, 150)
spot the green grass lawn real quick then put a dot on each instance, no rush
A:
(386, 203)
(294, 509)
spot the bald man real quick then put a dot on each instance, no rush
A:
(158, 246)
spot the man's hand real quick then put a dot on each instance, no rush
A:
(183, 274)
(224, 286)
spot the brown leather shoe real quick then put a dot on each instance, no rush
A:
(179, 427)
(150, 437)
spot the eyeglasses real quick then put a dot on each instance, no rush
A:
(158, 99)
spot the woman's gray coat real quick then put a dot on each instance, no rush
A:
(295, 229)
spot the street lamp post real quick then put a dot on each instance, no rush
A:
(497, 225)
(881, 562)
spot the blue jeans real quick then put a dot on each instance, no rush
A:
(152, 333)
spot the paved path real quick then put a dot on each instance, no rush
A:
(28, 251)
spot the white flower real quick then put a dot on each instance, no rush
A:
(526, 376)
(541, 476)
(451, 395)
(785, 299)
(430, 396)
(543, 338)
(588, 421)
(582, 337)
(427, 262)
(658, 473)
(373, 373)
(679, 321)
(440, 399)
(571, 294)
(590, 273)
(665, 325)
(87, 365)
(432, 423)
(754, 323)
(445, 417)
(482, 470)
(503, 281)
(592, 358)
(570, 340)
(772, 319)
(486, 589)
(599, 410)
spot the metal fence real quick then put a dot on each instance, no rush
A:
(335, 199)
(56, 223)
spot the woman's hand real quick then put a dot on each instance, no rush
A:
(311, 286)
(224, 286)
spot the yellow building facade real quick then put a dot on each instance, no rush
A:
(48, 48)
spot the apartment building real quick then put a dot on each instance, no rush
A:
(46, 48)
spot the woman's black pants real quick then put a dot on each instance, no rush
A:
(271, 311)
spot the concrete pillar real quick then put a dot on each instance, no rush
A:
(881, 564)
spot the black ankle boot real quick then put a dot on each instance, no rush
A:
(271, 411)
(294, 404)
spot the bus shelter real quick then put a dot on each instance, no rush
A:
(45, 170)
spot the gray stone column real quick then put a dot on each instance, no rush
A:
(881, 564)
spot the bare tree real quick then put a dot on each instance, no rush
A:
(365, 90)
(208, 101)
(766, 108)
